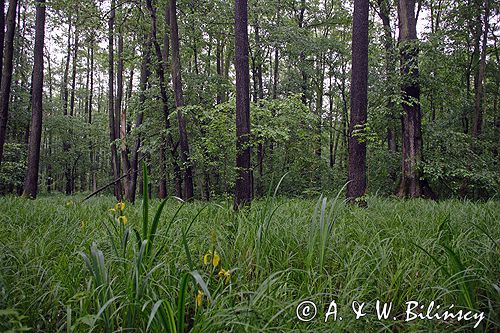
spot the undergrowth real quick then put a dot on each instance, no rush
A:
(72, 266)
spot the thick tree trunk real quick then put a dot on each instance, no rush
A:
(31, 180)
(356, 188)
(179, 102)
(7, 73)
(411, 184)
(243, 190)
(2, 33)
(115, 162)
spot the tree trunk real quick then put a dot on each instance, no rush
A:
(73, 75)
(91, 96)
(411, 184)
(121, 113)
(179, 102)
(31, 180)
(115, 164)
(2, 33)
(390, 69)
(477, 127)
(160, 71)
(65, 96)
(7, 73)
(356, 188)
(142, 98)
(219, 63)
(243, 190)
(303, 54)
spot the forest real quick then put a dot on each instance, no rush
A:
(208, 165)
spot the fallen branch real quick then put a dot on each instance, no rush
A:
(112, 183)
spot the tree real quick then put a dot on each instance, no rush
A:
(113, 131)
(356, 187)
(2, 33)
(134, 160)
(243, 189)
(31, 180)
(477, 126)
(160, 71)
(412, 183)
(179, 102)
(8, 52)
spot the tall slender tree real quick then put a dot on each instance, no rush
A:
(115, 162)
(160, 71)
(477, 125)
(179, 102)
(243, 189)
(134, 158)
(8, 53)
(31, 180)
(356, 187)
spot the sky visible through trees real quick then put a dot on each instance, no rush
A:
(298, 51)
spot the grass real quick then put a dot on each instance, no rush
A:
(67, 266)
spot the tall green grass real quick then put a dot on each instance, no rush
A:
(67, 266)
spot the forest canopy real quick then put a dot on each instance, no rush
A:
(121, 82)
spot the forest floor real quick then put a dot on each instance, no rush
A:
(268, 260)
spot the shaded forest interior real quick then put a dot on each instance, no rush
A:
(225, 97)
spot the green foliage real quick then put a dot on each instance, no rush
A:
(453, 163)
(13, 167)
(42, 279)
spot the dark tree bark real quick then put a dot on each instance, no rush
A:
(356, 187)
(115, 162)
(65, 91)
(243, 190)
(411, 184)
(91, 97)
(134, 158)
(303, 54)
(2, 33)
(121, 113)
(7, 73)
(179, 102)
(65, 96)
(73, 74)
(31, 180)
(87, 82)
(477, 125)
(219, 64)
(160, 71)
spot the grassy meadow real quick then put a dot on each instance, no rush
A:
(73, 266)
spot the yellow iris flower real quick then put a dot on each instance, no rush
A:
(122, 219)
(213, 257)
(226, 275)
(199, 298)
(120, 206)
